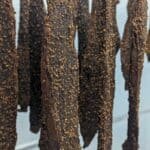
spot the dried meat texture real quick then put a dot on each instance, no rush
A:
(60, 83)
(36, 29)
(148, 46)
(109, 43)
(132, 57)
(89, 86)
(8, 77)
(24, 57)
(98, 68)
(44, 140)
(82, 23)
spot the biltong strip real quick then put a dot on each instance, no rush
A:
(97, 75)
(24, 58)
(60, 121)
(132, 57)
(36, 29)
(8, 77)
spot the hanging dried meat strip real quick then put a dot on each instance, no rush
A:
(132, 56)
(82, 22)
(89, 85)
(36, 29)
(83, 25)
(44, 140)
(24, 57)
(98, 68)
(8, 77)
(148, 46)
(60, 124)
(108, 39)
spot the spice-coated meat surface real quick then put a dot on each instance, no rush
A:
(60, 114)
(8, 77)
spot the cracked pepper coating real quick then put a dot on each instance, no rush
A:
(83, 25)
(97, 75)
(148, 46)
(24, 57)
(8, 77)
(132, 57)
(36, 29)
(60, 124)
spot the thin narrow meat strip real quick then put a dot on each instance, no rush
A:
(132, 56)
(36, 30)
(24, 57)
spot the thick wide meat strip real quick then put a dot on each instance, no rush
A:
(8, 76)
(61, 103)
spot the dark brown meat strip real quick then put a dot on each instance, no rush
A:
(108, 43)
(84, 116)
(36, 29)
(45, 142)
(82, 22)
(60, 124)
(8, 77)
(98, 67)
(89, 86)
(24, 57)
(132, 56)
